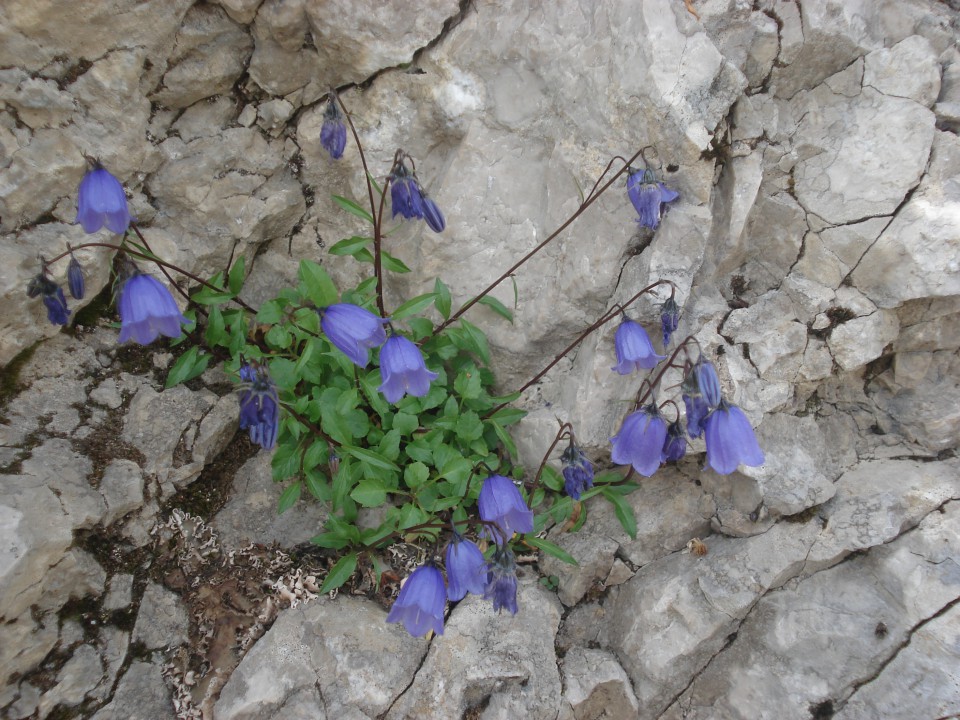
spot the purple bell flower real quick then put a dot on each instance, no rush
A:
(696, 412)
(577, 472)
(101, 201)
(730, 440)
(333, 134)
(634, 349)
(502, 581)
(708, 382)
(466, 569)
(669, 319)
(432, 215)
(403, 370)
(75, 279)
(353, 330)
(259, 406)
(147, 309)
(675, 446)
(421, 601)
(53, 299)
(501, 503)
(406, 198)
(640, 440)
(647, 195)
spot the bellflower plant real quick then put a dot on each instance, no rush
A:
(53, 299)
(466, 569)
(675, 446)
(708, 382)
(502, 581)
(259, 406)
(406, 198)
(403, 370)
(501, 503)
(577, 472)
(421, 601)
(669, 319)
(147, 309)
(75, 279)
(102, 201)
(697, 411)
(640, 441)
(647, 195)
(333, 134)
(730, 440)
(432, 215)
(353, 330)
(634, 349)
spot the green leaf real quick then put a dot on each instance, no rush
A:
(467, 384)
(288, 498)
(607, 476)
(469, 427)
(508, 415)
(505, 438)
(369, 493)
(411, 515)
(350, 246)
(623, 511)
(188, 366)
(371, 458)
(339, 573)
(498, 307)
(413, 306)
(391, 263)
(415, 475)
(351, 207)
(285, 462)
(271, 312)
(215, 327)
(405, 423)
(552, 479)
(477, 340)
(443, 300)
(318, 286)
(317, 485)
(457, 470)
(237, 275)
(278, 337)
(421, 327)
(208, 296)
(550, 549)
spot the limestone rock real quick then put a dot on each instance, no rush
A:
(338, 655)
(122, 488)
(594, 555)
(596, 686)
(909, 69)
(140, 695)
(507, 659)
(78, 676)
(162, 621)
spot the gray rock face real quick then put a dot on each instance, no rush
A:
(140, 695)
(162, 621)
(313, 657)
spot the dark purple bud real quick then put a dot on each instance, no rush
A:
(577, 472)
(406, 198)
(333, 134)
(647, 195)
(696, 412)
(75, 279)
(669, 319)
(502, 581)
(259, 406)
(675, 446)
(433, 216)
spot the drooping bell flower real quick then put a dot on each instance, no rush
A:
(333, 134)
(466, 569)
(52, 296)
(730, 439)
(403, 370)
(669, 319)
(432, 215)
(501, 503)
(577, 471)
(147, 309)
(259, 406)
(634, 349)
(675, 446)
(647, 195)
(406, 198)
(75, 279)
(353, 330)
(502, 580)
(102, 201)
(697, 411)
(640, 440)
(421, 601)
(708, 382)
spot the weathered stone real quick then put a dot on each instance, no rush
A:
(340, 653)
(119, 593)
(876, 501)
(677, 612)
(162, 621)
(596, 686)
(594, 556)
(909, 70)
(122, 488)
(209, 55)
(79, 675)
(216, 429)
(140, 695)
(508, 660)
(250, 515)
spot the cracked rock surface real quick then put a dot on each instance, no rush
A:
(814, 247)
